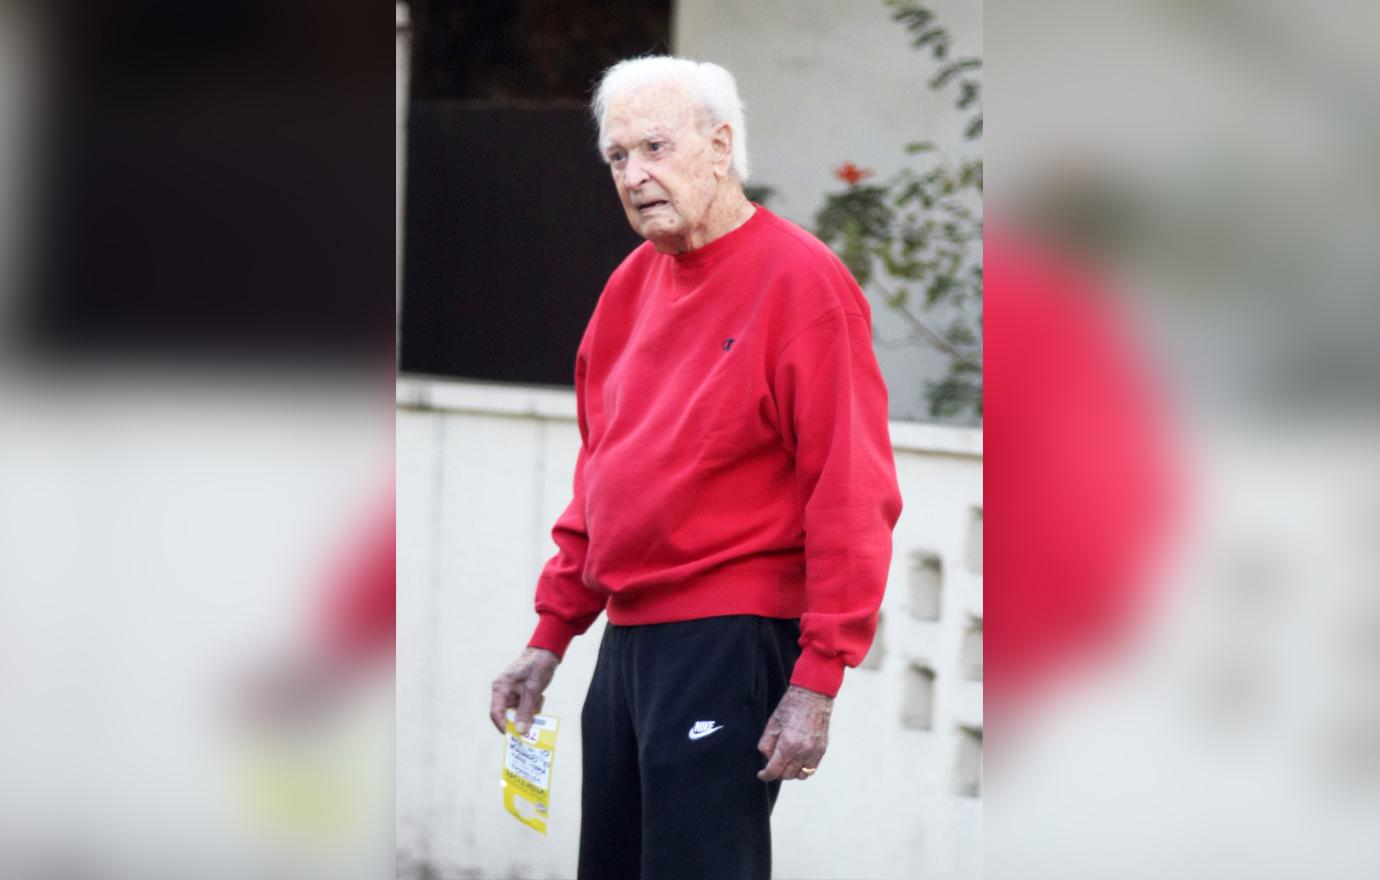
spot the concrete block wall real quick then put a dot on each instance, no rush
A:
(484, 470)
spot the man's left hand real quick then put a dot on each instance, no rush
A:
(796, 736)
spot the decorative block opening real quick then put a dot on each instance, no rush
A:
(873, 660)
(968, 765)
(973, 555)
(926, 586)
(970, 650)
(917, 703)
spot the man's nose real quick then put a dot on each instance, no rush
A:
(634, 175)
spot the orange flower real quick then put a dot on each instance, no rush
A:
(851, 174)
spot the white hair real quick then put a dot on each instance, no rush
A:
(712, 88)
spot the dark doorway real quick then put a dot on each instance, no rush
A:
(511, 223)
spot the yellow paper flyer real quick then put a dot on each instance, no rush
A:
(527, 770)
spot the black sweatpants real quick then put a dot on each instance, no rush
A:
(670, 729)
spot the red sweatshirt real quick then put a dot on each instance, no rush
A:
(735, 455)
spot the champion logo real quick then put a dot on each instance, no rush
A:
(728, 343)
(701, 729)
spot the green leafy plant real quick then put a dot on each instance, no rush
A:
(963, 73)
(758, 193)
(915, 239)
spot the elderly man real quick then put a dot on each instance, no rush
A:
(734, 497)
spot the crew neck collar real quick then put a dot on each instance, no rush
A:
(723, 244)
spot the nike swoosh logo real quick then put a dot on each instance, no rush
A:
(701, 734)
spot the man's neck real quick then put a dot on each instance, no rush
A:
(729, 210)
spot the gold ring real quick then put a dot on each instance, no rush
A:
(808, 770)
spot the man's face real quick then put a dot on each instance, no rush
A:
(662, 163)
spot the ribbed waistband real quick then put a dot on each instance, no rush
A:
(762, 592)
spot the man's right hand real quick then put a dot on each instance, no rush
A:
(522, 685)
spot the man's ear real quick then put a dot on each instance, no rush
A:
(721, 142)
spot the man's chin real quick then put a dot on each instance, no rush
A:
(661, 233)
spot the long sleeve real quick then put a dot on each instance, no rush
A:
(566, 607)
(832, 408)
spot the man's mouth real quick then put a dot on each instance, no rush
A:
(648, 206)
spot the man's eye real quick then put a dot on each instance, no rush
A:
(656, 146)
(615, 157)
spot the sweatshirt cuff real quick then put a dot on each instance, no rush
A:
(553, 634)
(818, 672)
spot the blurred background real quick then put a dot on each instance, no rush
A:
(863, 125)
(1181, 299)
(196, 432)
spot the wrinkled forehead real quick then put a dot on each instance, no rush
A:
(635, 113)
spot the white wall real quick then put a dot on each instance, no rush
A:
(167, 544)
(829, 81)
(483, 471)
